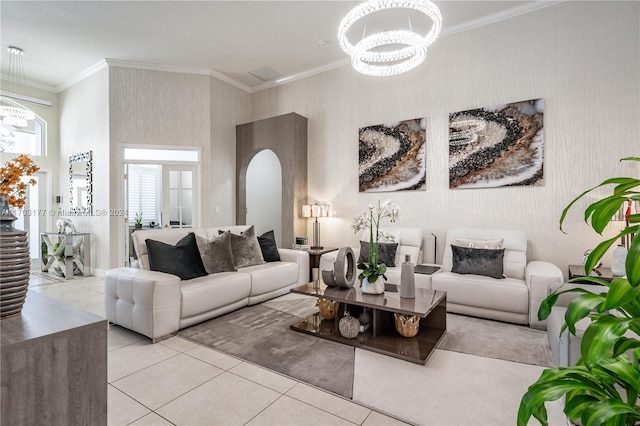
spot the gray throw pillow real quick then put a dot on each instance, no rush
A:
(217, 255)
(246, 249)
(386, 253)
(487, 262)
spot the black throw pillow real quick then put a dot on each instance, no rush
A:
(386, 253)
(269, 247)
(182, 260)
(487, 262)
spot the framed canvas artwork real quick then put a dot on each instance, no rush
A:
(497, 146)
(392, 157)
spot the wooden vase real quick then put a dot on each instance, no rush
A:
(15, 263)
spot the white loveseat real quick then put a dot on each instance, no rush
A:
(409, 243)
(515, 298)
(157, 304)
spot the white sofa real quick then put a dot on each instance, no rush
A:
(157, 304)
(565, 347)
(410, 242)
(515, 298)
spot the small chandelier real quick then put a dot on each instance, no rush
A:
(366, 55)
(13, 115)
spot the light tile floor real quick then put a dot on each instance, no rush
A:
(177, 382)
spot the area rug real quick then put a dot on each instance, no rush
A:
(499, 340)
(260, 334)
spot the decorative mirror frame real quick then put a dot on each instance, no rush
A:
(88, 157)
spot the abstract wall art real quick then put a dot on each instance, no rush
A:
(497, 146)
(392, 157)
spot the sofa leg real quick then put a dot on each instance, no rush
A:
(161, 338)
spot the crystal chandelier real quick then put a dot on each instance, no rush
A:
(369, 57)
(14, 115)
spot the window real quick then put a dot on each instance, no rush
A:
(144, 192)
(22, 140)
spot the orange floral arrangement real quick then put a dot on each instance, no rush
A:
(11, 182)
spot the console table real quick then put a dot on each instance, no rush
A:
(54, 365)
(381, 337)
(74, 248)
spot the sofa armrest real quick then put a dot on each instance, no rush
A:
(300, 257)
(147, 302)
(541, 278)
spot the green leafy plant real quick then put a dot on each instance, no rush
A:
(370, 219)
(138, 219)
(604, 385)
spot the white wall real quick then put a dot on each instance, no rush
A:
(165, 108)
(229, 106)
(84, 126)
(581, 57)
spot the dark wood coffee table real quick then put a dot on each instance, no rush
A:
(381, 337)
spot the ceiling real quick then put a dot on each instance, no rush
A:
(63, 39)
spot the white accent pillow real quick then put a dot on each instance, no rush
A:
(483, 244)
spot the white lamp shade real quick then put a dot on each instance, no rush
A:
(315, 210)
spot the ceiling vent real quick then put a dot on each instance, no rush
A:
(265, 74)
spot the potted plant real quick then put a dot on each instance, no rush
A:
(138, 220)
(372, 271)
(604, 385)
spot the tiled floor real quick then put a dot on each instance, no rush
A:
(181, 383)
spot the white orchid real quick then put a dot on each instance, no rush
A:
(371, 219)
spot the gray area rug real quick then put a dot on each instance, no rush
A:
(260, 334)
(494, 339)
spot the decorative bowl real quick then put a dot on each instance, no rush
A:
(328, 308)
(407, 325)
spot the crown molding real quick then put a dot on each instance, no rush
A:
(30, 84)
(84, 74)
(304, 74)
(231, 81)
(476, 23)
(499, 16)
(108, 62)
(469, 25)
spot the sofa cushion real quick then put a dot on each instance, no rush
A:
(478, 261)
(506, 295)
(209, 293)
(216, 253)
(246, 249)
(271, 276)
(486, 244)
(386, 253)
(182, 259)
(269, 247)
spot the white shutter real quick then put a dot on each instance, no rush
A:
(144, 193)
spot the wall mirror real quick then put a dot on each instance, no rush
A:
(80, 183)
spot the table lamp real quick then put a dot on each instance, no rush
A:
(315, 211)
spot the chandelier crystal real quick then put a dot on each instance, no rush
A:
(366, 55)
(13, 115)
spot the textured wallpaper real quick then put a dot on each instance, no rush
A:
(581, 57)
(84, 126)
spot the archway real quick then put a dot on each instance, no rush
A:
(264, 193)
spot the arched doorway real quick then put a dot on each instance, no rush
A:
(286, 136)
(264, 193)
